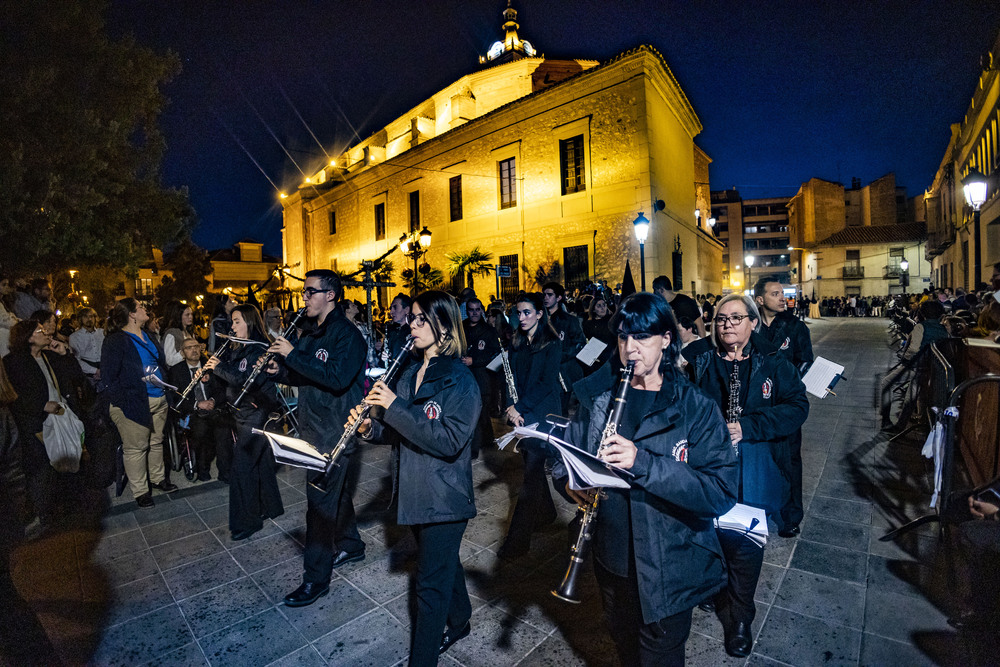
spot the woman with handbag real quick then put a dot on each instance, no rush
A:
(253, 485)
(32, 375)
(131, 362)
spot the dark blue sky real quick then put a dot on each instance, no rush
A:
(785, 90)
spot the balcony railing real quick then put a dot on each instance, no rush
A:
(852, 272)
(939, 240)
(891, 271)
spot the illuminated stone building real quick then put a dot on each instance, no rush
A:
(852, 242)
(757, 227)
(535, 160)
(962, 252)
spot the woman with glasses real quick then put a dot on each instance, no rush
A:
(253, 486)
(434, 414)
(535, 356)
(764, 403)
(131, 364)
(656, 553)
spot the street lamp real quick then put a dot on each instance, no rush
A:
(641, 225)
(415, 246)
(974, 185)
(904, 277)
(748, 260)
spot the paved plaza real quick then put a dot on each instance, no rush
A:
(120, 586)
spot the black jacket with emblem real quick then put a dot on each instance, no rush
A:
(483, 347)
(327, 365)
(776, 407)
(791, 336)
(678, 558)
(536, 376)
(434, 428)
(573, 339)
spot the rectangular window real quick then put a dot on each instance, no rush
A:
(508, 183)
(455, 197)
(509, 287)
(576, 267)
(380, 222)
(415, 211)
(571, 164)
(333, 222)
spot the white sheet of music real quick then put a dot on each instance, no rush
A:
(591, 351)
(294, 451)
(586, 471)
(820, 375)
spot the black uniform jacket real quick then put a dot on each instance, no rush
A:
(483, 346)
(179, 376)
(435, 428)
(327, 365)
(536, 376)
(791, 336)
(685, 476)
(234, 370)
(571, 334)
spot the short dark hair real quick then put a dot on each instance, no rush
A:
(328, 280)
(758, 287)
(931, 310)
(21, 333)
(404, 299)
(558, 289)
(649, 313)
(662, 282)
(39, 283)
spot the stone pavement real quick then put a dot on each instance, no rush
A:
(119, 586)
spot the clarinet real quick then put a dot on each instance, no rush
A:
(201, 371)
(507, 372)
(264, 359)
(363, 409)
(567, 590)
(734, 411)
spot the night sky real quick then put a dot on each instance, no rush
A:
(785, 90)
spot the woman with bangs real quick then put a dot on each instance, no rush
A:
(434, 412)
(656, 552)
(253, 486)
(536, 352)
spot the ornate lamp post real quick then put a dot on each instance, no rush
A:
(415, 245)
(641, 233)
(975, 188)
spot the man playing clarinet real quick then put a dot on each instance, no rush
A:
(656, 553)
(327, 365)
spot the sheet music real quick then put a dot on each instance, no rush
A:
(820, 375)
(496, 363)
(586, 471)
(293, 451)
(591, 351)
(741, 517)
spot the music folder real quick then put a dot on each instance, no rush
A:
(822, 377)
(586, 471)
(294, 451)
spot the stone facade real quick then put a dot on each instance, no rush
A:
(636, 128)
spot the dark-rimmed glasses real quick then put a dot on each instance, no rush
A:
(308, 292)
(734, 320)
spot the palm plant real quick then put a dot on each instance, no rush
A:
(471, 264)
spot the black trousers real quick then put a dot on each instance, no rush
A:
(442, 597)
(211, 438)
(331, 525)
(657, 644)
(253, 485)
(484, 428)
(744, 560)
(534, 502)
(792, 512)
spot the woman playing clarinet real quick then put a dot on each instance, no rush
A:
(765, 402)
(534, 358)
(434, 415)
(253, 487)
(656, 553)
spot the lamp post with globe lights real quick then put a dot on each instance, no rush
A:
(641, 224)
(975, 188)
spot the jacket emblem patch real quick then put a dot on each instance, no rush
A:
(432, 409)
(562, 335)
(243, 365)
(788, 341)
(767, 388)
(322, 354)
(680, 451)
(482, 345)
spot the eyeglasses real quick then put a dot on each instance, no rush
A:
(734, 320)
(417, 320)
(308, 292)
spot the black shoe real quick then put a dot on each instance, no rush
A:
(306, 594)
(739, 642)
(792, 531)
(511, 550)
(452, 636)
(204, 477)
(238, 535)
(708, 605)
(165, 486)
(968, 619)
(145, 500)
(343, 558)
